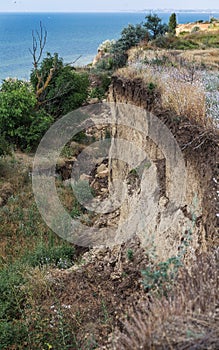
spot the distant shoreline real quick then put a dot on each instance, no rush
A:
(210, 11)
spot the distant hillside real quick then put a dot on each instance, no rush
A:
(198, 26)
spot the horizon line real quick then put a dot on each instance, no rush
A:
(118, 11)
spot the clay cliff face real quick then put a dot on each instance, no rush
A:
(171, 198)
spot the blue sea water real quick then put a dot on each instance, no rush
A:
(70, 34)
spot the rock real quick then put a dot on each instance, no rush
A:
(93, 100)
(102, 174)
(76, 147)
(98, 57)
(101, 168)
(163, 202)
(74, 144)
(104, 190)
(85, 177)
(71, 160)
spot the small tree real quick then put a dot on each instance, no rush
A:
(130, 36)
(172, 24)
(58, 88)
(67, 89)
(155, 26)
(38, 44)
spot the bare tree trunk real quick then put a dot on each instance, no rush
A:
(38, 45)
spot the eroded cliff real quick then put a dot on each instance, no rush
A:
(158, 208)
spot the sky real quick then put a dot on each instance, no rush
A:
(102, 5)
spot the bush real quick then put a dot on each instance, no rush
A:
(160, 278)
(105, 64)
(40, 123)
(102, 87)
(67, 89)
(164, 42)
(20, 121)
(185, 45)
(195, 29)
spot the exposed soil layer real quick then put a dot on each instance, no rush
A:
(199, 146)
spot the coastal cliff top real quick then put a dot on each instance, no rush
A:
(197, 26)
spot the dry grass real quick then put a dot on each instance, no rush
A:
(208, 57)
(187, 319)
(37, 285)
(181, 92)
(184, 99)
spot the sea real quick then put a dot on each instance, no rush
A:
(74, 36)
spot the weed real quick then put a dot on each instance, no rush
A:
(133, 172)
(57, 256)
(130, 254)
(106, 316)
(151, 86)
(160, 277)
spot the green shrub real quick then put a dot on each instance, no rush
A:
(151, 87)
(67, 89)
(195, 29)
(81, 137)
(213, 19)
(159, 277)
(100, 90)
(184, 32)
(164, 42)
(105, 64)
(21, 123)
(40, 123)
(97, 92)
(185, 45)
(130, 254)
